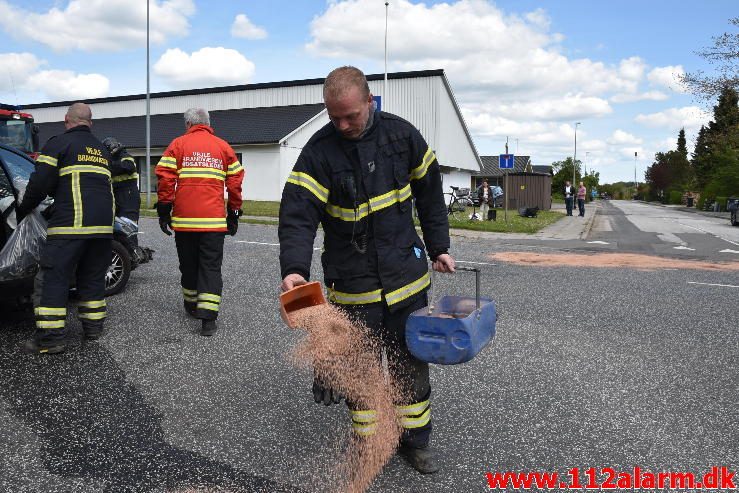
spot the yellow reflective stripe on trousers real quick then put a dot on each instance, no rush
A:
(120, 178)
(420, 171)
(43, 311)
(364, 422)
(92, 304)
(190, 295)
(82, 230)
(199, 222)
(43, 158)
(364, 430)
(309, 183)
(375, 204)
(46, 324)
(422, 420)
(201, 173)
(209, 297)
(408, 290)
(412, 409)
(355, 298)
(369, 416)
(234, 168)
(168, 162)
(84, 168)
(91, 315)
(204, 305)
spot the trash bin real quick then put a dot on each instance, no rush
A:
(690, 201)
(492, 215)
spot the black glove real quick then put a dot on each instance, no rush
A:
(232, 221)
(165, 217)
(48, 212)
(327, 395)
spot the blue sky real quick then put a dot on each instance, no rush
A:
(525, 69)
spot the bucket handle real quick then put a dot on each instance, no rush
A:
(467, 269)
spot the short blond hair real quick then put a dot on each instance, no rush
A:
(341, 79)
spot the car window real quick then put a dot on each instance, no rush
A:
(18, 167)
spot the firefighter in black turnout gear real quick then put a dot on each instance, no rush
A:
(74, 169)
(125, 180)
(356, 177)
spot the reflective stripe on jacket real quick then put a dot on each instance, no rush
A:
(74, 169)
(192, 174)
(364, 189)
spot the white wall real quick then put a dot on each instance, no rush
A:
(456, 178)
(262, 172)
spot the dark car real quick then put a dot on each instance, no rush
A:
(15, 171)
(732, 205)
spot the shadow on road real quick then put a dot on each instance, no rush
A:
(96, 427)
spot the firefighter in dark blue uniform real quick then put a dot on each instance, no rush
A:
(74, 169)
(125, 180)
(356, 177)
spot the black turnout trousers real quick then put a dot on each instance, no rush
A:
(411, 373)
(60, 260)
(201, 256)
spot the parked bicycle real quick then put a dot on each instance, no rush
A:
(459, 200)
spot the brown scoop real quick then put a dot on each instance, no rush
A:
(303, 296)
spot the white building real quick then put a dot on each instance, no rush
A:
(268, 124)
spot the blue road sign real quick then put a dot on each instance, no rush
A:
(505, 161)
(378, 102)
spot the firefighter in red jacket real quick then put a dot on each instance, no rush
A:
(191, 177)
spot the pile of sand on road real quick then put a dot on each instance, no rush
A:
(609, 260)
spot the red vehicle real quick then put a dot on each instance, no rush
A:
(18, 130)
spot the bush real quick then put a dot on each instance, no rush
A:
(676, 197)
(722, 202)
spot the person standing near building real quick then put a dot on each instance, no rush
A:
(356, 177)
(74, 168)
(191, 177)
(485, 196)
(125, 180)
(569, 193)
(581, 194)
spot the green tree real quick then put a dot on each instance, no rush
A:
(701, 159)
(682, 146)
(563, 172)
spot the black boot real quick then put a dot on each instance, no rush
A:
(422, 460)
(33, 347)
(209, 328)
(92, 331)
(191, 308)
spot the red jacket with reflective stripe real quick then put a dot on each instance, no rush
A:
(192, 174)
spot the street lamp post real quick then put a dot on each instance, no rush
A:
(574, 159)
(148, 116)
(384, 87)
(636, 184)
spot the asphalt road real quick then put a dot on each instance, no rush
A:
(590, 367)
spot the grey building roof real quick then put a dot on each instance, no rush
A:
(490, 166)
(545, 169)
(241, 126)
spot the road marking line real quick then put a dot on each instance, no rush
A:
(257, 243)
(728, 251)
(598, 242)
(683, 248)
(708, 233)
(709, 284)
(475, 263)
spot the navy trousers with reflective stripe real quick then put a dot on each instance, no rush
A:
(58, 260)
(201, 255)
(127, 199)
(411, 373)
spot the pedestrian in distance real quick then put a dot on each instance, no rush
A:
(191, 177)
(569, 193)
(356, 177)
(74, 168)
(485, 196)
(581, 194)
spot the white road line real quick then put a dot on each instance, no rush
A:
(684, 248)
(474, 263)
(708, 233)
(257, 243)
(598, 242)
(728, 251)
(709, 284)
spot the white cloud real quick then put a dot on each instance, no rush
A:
(643, 96)
(668, 77)
(206, 67)
(242, 27)
(25, 72)
(566, 108)
(98, 25)
(688, 117)
(621, 138)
